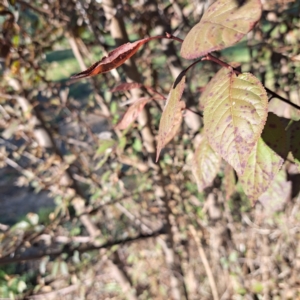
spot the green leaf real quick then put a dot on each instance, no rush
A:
(206, 164)
(222, 25)
(264, 162)
(21, 286)
(114, 107)
(234, 115)
(172, 116)
(104, 145)
(122, 143)
(137, 145)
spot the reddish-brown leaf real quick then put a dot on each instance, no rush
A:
(126, 86)
(114, 59)
(132, 113)
(172, 114)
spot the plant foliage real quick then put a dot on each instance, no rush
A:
(152, 161)
(235, 103)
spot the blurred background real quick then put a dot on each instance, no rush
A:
(85, 212)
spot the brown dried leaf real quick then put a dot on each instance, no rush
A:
(132, 113)
(114, 59)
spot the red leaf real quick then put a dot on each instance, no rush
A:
(132, 113)
(114, 59)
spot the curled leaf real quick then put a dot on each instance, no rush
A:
(114, 59)
(172, 116)
(206, 164)
(234, 115)
(222, 25)
(132, 113)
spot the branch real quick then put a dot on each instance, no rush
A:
(172, 37)
(80, 249)
(275, 95)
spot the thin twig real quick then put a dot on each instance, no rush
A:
(172, 37)
(43, 11)
(207, 268)
(219, 62)
(23, 153)
(57, 293)
(80, 249)
(274, 94)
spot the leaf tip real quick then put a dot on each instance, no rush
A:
(157, 154)
(75, 76)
